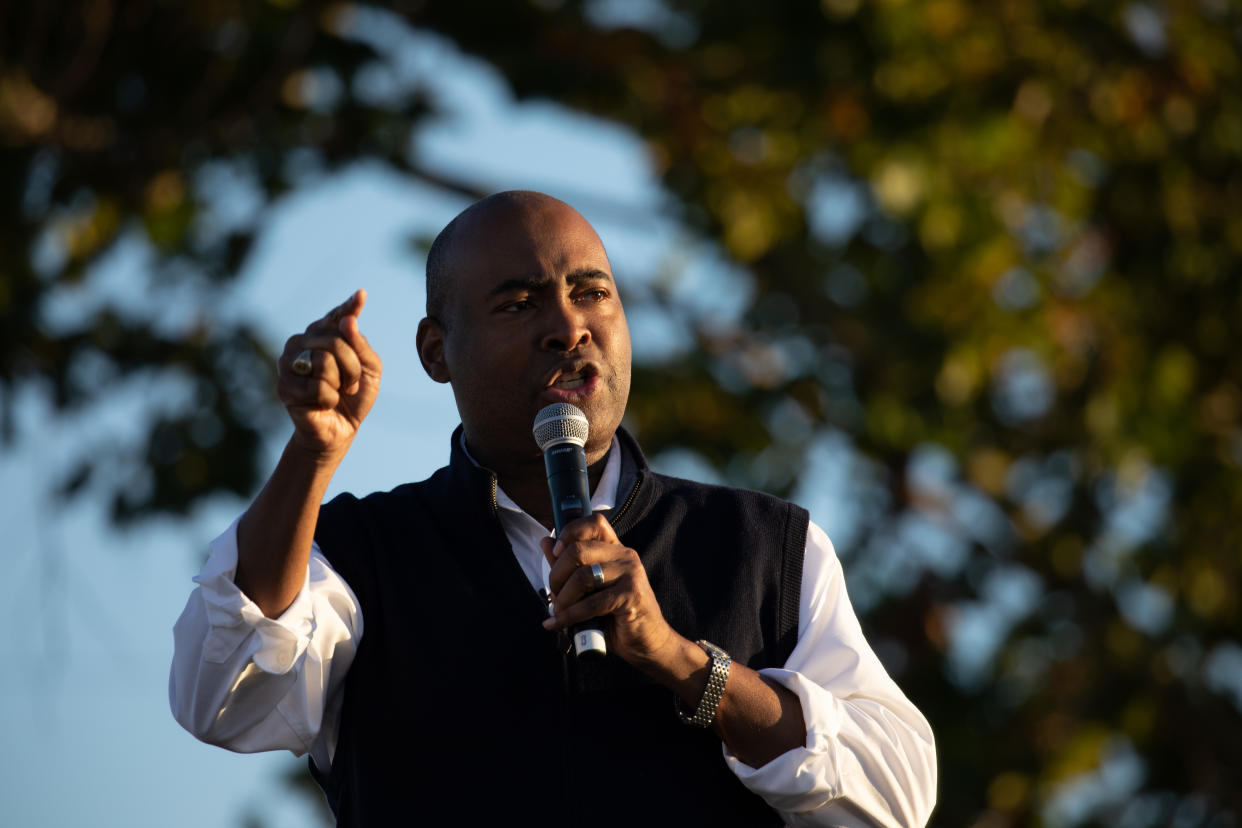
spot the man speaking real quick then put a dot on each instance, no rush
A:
(412, 642)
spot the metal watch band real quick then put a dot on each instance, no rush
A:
(705, 713)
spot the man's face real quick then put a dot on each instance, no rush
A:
(534, 318)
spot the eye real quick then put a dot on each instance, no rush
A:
(516, 307)
(593, 295)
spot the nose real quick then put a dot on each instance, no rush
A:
(565, 329)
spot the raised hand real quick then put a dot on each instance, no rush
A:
(328, 402)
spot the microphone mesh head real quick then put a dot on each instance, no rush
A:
(560, 423)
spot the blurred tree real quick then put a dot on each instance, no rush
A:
(989, 255)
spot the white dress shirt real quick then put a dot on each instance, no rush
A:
(250, 683)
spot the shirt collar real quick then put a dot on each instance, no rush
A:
(604, 496)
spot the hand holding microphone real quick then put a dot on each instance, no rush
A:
(593, 575)
(561, 432)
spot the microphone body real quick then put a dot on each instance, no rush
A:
(561, 430)
(565, 464)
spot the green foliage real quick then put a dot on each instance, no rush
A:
(1026, 328)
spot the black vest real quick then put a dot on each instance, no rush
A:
(459, 707)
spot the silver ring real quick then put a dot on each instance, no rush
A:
(597, 576)
(302, 364)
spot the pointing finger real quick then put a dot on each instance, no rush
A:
(350, 307)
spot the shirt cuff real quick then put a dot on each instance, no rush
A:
(804, 778)
(235, 621)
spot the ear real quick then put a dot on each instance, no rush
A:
(431, 349)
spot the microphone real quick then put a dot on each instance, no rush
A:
(561, 431)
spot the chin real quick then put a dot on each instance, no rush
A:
(603, 425)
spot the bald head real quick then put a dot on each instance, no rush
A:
(523, 311)
(469, 229)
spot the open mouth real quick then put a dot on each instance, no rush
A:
(569, 380)
(574, 380)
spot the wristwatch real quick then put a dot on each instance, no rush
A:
(705, 713)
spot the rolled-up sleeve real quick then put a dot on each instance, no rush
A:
(869, 757)
(250, 683)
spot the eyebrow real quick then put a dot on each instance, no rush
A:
(534, 283)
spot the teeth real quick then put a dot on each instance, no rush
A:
(570, 381)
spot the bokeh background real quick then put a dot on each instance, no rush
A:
(964, 278)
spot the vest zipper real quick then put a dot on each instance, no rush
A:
(628, 500)
(495, 505)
